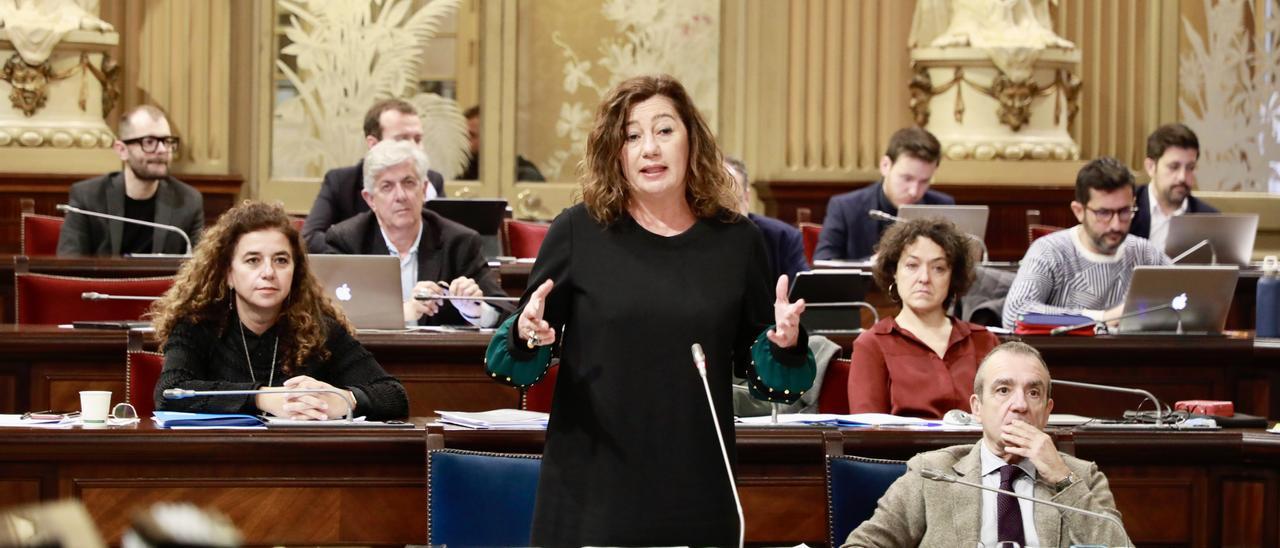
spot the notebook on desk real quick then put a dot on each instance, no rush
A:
(1208, 291)
(366, 287)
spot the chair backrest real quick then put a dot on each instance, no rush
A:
(40, 234)
(521, 239)
(809, 233)
(50, 299)
(142, 370)
(538, 396)
(854, 486)
(480, 499)
(1035, 232)
(834, 397)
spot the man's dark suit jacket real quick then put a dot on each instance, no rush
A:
(177, 204)
(339, 199)
(849, 233)
(784, 245)
(1141, 225)
(447, 250)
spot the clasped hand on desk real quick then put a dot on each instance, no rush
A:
(305, 406)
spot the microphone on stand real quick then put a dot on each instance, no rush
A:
(935, 475)
(1213, 256)
(1177, 304)
(1121, 389)
(888, 218)
(69, 209)
(700, 361)
(95, 296)
(882, 216)
(181, 393)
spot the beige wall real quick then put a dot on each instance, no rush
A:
(808, 89)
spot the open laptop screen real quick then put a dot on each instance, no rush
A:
(1230, 237)
(1208, 291)
(366, 287)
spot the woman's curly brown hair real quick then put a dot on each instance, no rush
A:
(709, 190)
(955, 246)
(200, 292)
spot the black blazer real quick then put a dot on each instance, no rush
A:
(784, 245)
(1141, 225)
(177, 204)
(849, 233)
(447, 250)
(339, 199)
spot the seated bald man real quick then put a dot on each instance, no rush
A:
(1011, 398)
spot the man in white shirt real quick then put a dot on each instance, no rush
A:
(1011, 398)
(438, 257)
(1172, 153)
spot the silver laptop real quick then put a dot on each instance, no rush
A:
(367, 287)
(970, 219)
(1230, 237)
(1208, 291)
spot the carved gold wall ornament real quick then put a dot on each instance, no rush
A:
(1015, 98)
(31, 83)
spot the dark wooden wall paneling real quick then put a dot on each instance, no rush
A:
(220, 193)
(1006, 227)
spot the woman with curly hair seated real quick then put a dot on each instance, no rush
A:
(920, 363)
(246, 313)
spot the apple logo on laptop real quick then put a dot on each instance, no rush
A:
(343, 292)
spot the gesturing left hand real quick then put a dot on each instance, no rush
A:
(786, 316)
(1031, 443)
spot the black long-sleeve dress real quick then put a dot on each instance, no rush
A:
(199, 357)
(631, 455)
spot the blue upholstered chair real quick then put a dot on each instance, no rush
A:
(480, 499)
(854, 485)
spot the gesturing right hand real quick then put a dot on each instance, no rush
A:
(531, 327)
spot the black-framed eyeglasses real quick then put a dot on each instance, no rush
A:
(150, 143)
(1105, 215)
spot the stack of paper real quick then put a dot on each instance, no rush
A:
(7, 421)
(498, 419)
(827, 419)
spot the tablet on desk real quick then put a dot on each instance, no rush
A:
(829, 297)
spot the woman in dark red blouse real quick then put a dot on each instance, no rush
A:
(920, 363)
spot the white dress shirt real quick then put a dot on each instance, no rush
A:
(409, 277)
(1024, 485)
(1159, 221)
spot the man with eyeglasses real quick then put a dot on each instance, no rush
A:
(1085, 269)
(340, 193)
(142, 190)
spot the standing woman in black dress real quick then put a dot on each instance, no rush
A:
(655, 259)
(245, 313)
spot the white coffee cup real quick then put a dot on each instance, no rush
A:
(94, 406)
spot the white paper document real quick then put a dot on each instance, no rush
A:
(497, 419)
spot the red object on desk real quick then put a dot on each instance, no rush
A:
(1207, 407)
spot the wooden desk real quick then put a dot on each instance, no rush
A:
(45, 367)
(1173, 488)
(293, 487)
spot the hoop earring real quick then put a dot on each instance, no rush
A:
(893, 292)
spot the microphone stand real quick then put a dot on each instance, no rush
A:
(180, 393)
(1177, 304)
(95, 296)
(1138, 391)
(66, 208)
(700, 361)
(1213, 256)
(935, 475)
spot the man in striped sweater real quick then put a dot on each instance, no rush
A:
(1085, 269)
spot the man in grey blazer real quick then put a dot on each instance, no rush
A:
(142, 190)
(438, 257)
(1011, 399)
